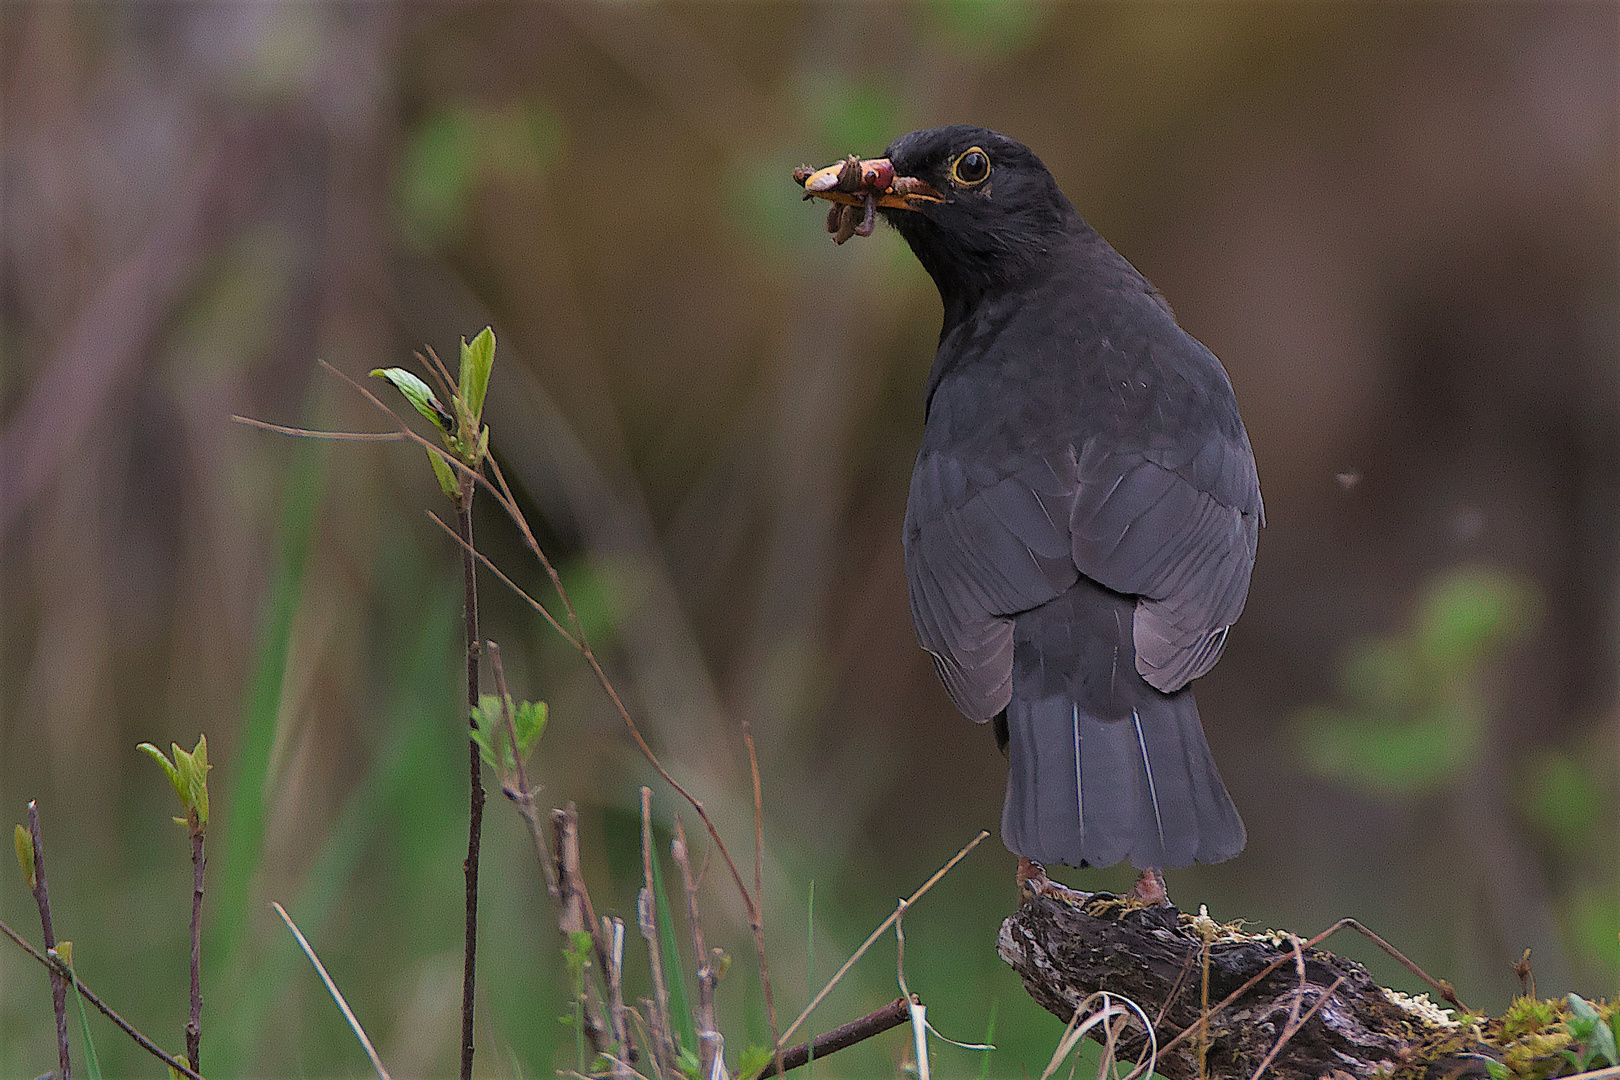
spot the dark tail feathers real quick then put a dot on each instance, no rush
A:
(1083, 791)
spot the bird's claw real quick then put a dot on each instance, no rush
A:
(1033, 882)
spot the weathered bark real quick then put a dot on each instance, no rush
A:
(1155, 956)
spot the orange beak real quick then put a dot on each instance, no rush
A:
(853, 180)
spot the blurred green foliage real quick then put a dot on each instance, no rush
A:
(454, 148)
(1412, 713)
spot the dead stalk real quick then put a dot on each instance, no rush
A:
(708, 1034)
(42, 898)
(647, 919)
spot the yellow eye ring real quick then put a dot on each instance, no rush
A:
(971, 167)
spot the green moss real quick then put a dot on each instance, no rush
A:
(1536, 1056)
(1527, 1016)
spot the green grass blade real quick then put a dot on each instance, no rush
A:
(419, 678)
(92, 1062)
(686, 1030)
(241, 826)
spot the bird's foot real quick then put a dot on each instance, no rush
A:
(1149, 890)
(1033, 882)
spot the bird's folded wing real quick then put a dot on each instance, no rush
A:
(1178, 531)
(980, 548)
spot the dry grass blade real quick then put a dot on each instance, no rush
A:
(1108, 1007)
(875, 934)
(331, 988)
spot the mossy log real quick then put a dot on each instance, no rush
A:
(1173, 965)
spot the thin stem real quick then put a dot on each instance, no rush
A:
(1442, 987)
(875, 934)
(42, 897)
(708, 1034)
(56, 967)
(331, 988)
(757, 924)
(575, 916)
(194, 1024)
(887, 1018)
(521, 796)
(475, 816)
(502, 494)
(647, 917)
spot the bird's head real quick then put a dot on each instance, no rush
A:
(976, 206)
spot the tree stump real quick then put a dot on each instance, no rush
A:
(1172, 965)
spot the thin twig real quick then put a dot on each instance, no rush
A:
(475, 813)
(508, 582)
(757, 924)
(55, 965)
(502, 493)
(1175, 988)
(42, 897)
(1294, 1026)
(887, 1018)
(875, 934)
(326, 436)
(194, 1021)
(647, 918)
(575, 916)
(521, 796)
(1440, 986)
(708, 1035)
(331, 988)
(1288, 1027)
(620, 1069)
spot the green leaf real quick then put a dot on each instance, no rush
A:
(198, 760)
(753, 1060)
(494, 742)
(1601, 1034)
(25, 854)
(1498, 1071)
(419, 394)
(448, 483)
(477, 358)
(168, 767)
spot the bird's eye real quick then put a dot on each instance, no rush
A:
(971, 167)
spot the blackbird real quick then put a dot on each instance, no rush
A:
(1084, 509)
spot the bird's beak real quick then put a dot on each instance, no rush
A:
(857, 188)
(852, 180)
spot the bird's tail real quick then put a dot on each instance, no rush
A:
(1102, 766)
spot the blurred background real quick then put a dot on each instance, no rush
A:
(1397, 224)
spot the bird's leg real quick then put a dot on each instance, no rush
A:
(1032, 882)
(1149, 889)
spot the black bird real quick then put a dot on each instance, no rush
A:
(1084, 509)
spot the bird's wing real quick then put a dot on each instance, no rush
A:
(1178, 530)
(981, 547)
